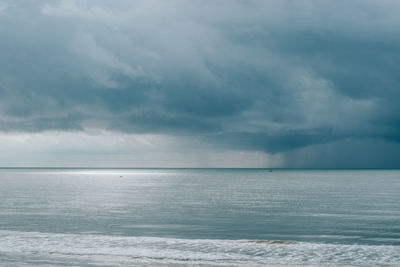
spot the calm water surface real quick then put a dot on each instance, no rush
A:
(207, 217)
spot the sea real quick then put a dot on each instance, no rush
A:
(199, 217)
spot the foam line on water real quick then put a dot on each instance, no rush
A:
(96, 250)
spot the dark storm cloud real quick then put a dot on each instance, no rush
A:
(346, 153)
(284, 141)
(66, 123)
(259, 75)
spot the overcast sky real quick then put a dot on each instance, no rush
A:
(170, 83)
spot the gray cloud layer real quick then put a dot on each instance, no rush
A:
(272, 76)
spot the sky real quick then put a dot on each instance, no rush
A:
(210, 83)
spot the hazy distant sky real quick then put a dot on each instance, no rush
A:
(170, 83)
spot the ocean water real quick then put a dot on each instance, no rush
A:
(199, 217)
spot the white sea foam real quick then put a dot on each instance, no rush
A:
(48, 249)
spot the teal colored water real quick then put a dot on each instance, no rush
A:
(228, 217)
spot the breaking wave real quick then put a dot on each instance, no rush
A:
(48, 249)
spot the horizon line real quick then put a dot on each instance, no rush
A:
(243, 168)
